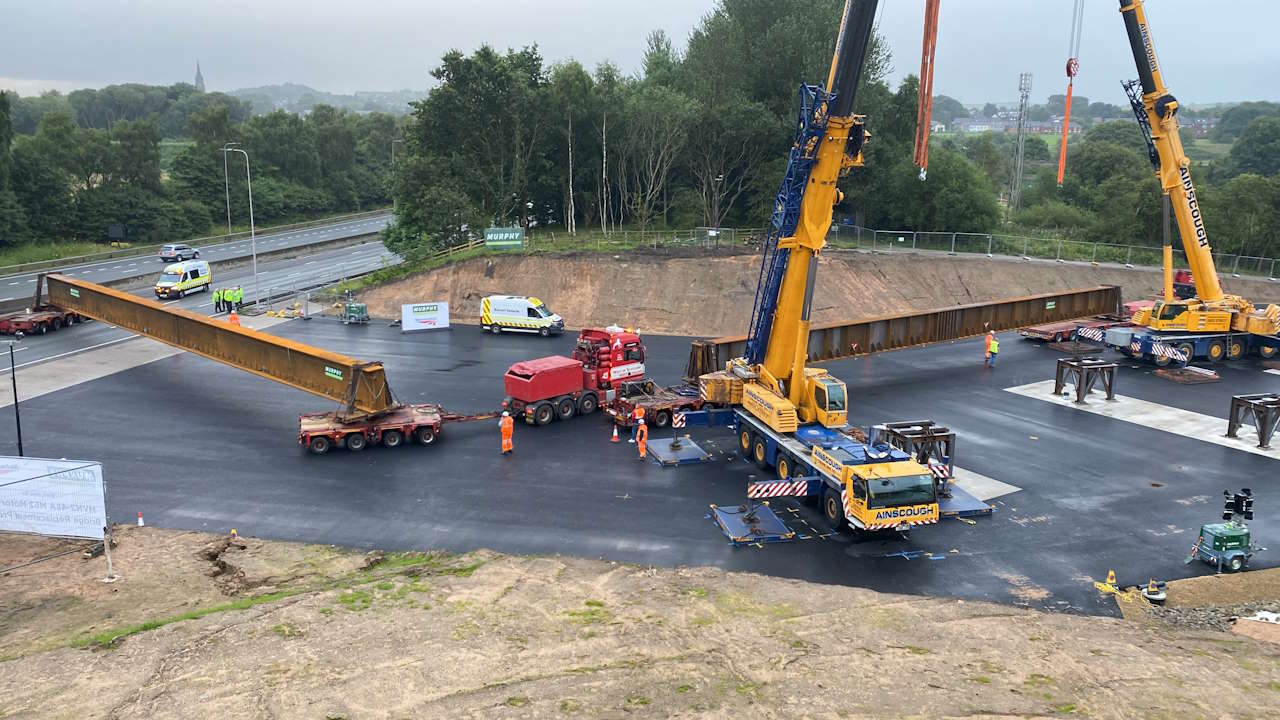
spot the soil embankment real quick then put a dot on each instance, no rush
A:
(212, 626)
(712, 295)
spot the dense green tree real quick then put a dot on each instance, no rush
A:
(1257, 150)
(138, 154)
(1235, 119)
(990, 110)
(946, 109)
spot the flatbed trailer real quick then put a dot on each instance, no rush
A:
(660, 405)
(37, 320)
(422, 424)
(1066, 329)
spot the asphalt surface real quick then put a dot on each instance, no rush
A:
(16, 286)
(196, 445)
(274, 276)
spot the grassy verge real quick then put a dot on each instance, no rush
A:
(393, 564)
(39, 252)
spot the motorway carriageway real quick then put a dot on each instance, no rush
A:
(274, 276)
(13, 287)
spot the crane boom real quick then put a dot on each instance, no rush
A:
(360, 386)
(1160, 109)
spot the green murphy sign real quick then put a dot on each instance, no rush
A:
(334, 373)
(503, 238)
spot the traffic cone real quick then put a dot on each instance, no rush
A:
(140, 523)
(1111, 577)
(615, 434)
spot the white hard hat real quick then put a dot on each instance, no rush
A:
(641, 421)
(506, 414)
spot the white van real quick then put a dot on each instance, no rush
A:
(516, 313)
(181, 278)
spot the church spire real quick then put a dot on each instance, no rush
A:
(199, 78)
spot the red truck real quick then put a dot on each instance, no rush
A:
(37, 321)
(560, 387)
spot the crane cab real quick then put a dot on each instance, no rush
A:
(826, 399)
(1184, 315)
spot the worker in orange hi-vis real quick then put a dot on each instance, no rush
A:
(642, 437)
(506, 425)
(637, 418)
(987, 346)
(233, 318)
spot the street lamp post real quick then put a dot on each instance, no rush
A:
(17, 418)
(253, 240)
(226, 182)
(393, 170)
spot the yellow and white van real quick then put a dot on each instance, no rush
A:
(181, 278)
(517, 313)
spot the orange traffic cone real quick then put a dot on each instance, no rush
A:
(615, 434)
(140, 523)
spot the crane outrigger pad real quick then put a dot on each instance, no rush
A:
(751, 525)
(962, 504)
(677, 451)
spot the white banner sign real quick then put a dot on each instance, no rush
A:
(424, 316)
(52, 497)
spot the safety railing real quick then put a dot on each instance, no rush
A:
(139, 250)
(853, 237)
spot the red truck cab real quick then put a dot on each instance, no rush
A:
(612, 353)
(548, 388)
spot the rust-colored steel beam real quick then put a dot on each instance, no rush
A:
(893, 332)
(360, 386)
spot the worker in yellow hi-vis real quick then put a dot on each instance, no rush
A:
(993, 348)
(642, 437)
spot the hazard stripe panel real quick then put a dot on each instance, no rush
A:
(781, 488)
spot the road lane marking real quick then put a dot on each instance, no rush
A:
(13, 283)
(4, 370)
(1273, 372)
(1176, 421)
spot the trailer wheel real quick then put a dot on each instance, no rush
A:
(356, 442)
(662, 419)
(832, 508)
(1236, 563)
(319, 444)
(744, 441)
(392, 438)
(543, 414)
(56, 324)
(1235, 349)
(565, 408)
(425, 435)
(71, 319)
(588, 404)
(41, 329)
(783, 467)
(760, 452)
(1216, 351)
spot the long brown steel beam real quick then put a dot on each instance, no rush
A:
(361, 386)
(892, 332)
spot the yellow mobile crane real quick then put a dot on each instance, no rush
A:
(1211, 324)
(789, 416)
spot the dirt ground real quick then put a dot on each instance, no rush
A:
(689, 294)
(286, 630)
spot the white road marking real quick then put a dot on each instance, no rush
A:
(1154, 415)
(313, 262)
(1273, 372)
(13, 283)
(4, 370)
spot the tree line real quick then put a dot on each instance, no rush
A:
(73, 166)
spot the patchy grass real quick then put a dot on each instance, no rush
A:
(914, 649)
(287, 631)
(594, 614)
(981, 679)
(1038, 680)
(1065, 708)
(570, 705)
(638, 700)
(355, 600)
(40, 251)
(517, 701)
(684, 689)
(109, 638)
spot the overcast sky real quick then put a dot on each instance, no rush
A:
(1211, 51)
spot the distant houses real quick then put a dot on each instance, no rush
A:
(1005, 124)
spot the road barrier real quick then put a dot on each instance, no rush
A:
(139, 250)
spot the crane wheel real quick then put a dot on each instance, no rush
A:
(784, 467)
(319, 444)
(356, 442)
(392, 438)
(588, 404)
(565, 407)
(1268, 351)
(744, 441)
(759, 452)
(1189, 351)
(425, 435)
(832, 508)
(1235, 349)
(1161, 360)
(1216, 351)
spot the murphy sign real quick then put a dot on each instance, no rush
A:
(504, 238)
(424, 316)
